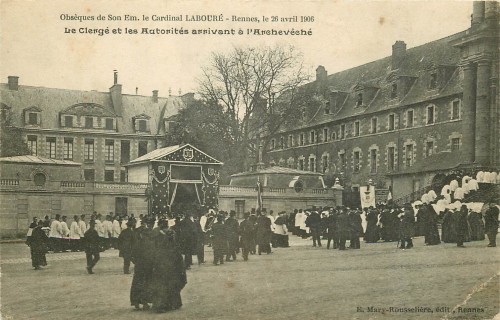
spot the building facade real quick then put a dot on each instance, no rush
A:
(435, 106)
(101, 130)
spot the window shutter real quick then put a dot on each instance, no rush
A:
(136, 125)
(38, 118)
(26, 117)
(147, 125)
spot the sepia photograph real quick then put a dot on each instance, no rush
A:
(244, 159)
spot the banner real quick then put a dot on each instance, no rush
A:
(367, 195)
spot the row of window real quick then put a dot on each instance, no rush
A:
(109, 175)
(88, 149)
(33, 118)
(409, 119)
(409, 152)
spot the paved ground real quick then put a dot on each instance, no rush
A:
(301, 282)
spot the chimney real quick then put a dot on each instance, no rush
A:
(321, 74)
(13, 83)
(116, 94)
(155, 96)
(398, 53)
(478, 8)
(491, 12)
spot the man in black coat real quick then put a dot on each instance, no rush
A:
(143, 257)
(219, 240)
(407, 227)
(126, 244)
(331, 225)
(92, 246)
(38, 243)
(246, 230)
(343, 227)
(232, 235)
(263, 233)
(491, 224)
(187, 238)
(356, 228)
(313, 221)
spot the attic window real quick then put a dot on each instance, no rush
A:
(433, 81)
(359, 102)
(109, 124)
(33, 118)
(394, 91)
(89, 122)
(327, 107)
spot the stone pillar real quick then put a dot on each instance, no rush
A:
(469, 114)
(482, 134)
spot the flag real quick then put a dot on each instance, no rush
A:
(259, 195)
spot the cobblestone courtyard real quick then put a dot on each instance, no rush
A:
(377, 282)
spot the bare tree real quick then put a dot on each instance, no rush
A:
(258, 87)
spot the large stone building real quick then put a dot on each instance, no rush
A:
(101, 130)
(402, 119)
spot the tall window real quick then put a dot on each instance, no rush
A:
(68, 121)
(455, 144)
(433, 81)
(342, 131)
(89, 174)
(356, 128)
(373, 162)
(429, 148)
(431, 112)
(124, 151)
(313, 137)
(282, 142)
(51, 147)
(32, 144)
(391, 156)
(109, 150)
(392, 122)
(301, 164)
(89, 122)
(342, 158)
(356, 158)
(273, 144)
(455, 110)
(409, 118)
(68, 149)
(312, 164)
(409, 155)
(301, 139)
(109, 175)
(32, 118)
(324, 163)
(325, 135)
(394, 91)
(109, 124)
(359, 101)
(143, 148)
(374, 125)
(290, 141)
(88, 150)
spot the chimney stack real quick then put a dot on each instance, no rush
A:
(398, 53)
(13, 82)
(478, 8)
(155, 96)
(116, 94)
(321, 74)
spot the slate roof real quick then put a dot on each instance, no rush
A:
(417, 63)
(38, 160)
(52, 101)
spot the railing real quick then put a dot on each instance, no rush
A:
(319, 191)
(9, 182)
(128, 185)
(277, 190)
(237, 189)
(72, 184)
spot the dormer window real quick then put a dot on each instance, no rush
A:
(32, 116)
(141, 123)
(359, 101)
(433, 81)
(327, 107)
(109, 124)
(394, 91)
(89, 122)
(68, 121)
(5, 111)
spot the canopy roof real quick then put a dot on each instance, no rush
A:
(29, 159)
(185, 153)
